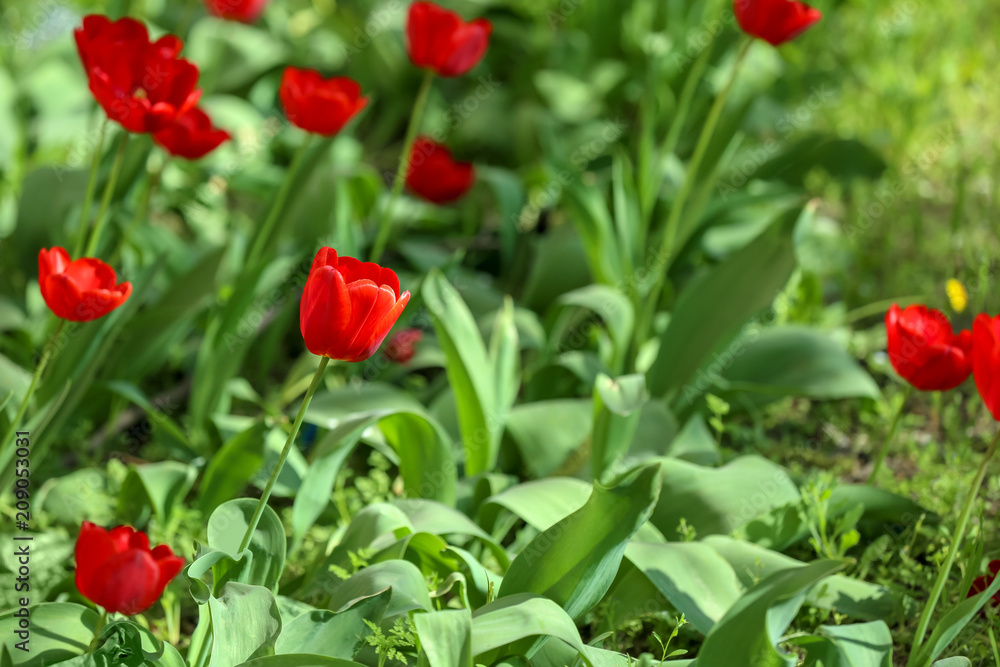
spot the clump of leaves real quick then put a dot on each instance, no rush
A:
(387, 646)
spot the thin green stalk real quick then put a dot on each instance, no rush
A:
(385, 220)
(662, 263)
(47, 355)
(684, 103)
(88, 197)
(891, 435)
(109, 189)
(152, 181)
(956, 543)
(262, 503)
(267, 229)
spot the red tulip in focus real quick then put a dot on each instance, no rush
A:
(348, 306)
(775, 21)
(117, 570)
(434, 175)
(318, 105)
(403, 345)
(141, 85)
(925, 351)
(191, 136)
(980, 584)
(439, 40)
(79, 291)
(245, 11)
(986, 360)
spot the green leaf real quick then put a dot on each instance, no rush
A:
(696, 580)
(720, 500)
(952, 623)
(505, 355)
(445, 638)
(299, 660)
(517, 617)
(409, 591)
(339, 635)
(755, 622)
(610, 304)
(953, 662)
(245, 624)
(575, 561)
(58, 631)
(546, 433)
(617, 409)
(713, 306)
(226, 528)
(695, 443)
(230, 470)
(545, 502)
(794, 361)
(166, 484)
(857, 645)
(592, 221)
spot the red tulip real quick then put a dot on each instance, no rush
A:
(986, 360)
(925, 351)
(441, 41)
(775, 21)
(79, 291)
(318, 105)
(141, 85)
(403, 345)
(980, 584)
(117, 570)
(245, 11)
(434, 175)
(191, 136)
(348, 306)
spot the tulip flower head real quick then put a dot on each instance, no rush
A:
(191, 136)
(403, 345)
(348, 306)
(117, 570)
(318, 105)
(141, 85)
(81, 290)
(775, 21)
(925, 351)
(986, 360)
(245, 11)
(434, 175)
(980, 584)
(439, 40)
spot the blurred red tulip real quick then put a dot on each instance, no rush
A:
(986, 360)
(925, 351)
(141, 85)
(403, 345)
(434, 175)
(775, 21)
(980, 584)
(439, 40)
(348, 306)
(81, 290)
(318, 105)
(245, 11)
(117, 570)
(191, 136)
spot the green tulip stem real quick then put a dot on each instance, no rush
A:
(956, 543)
(385, 219)
(109, 189)
(891, 435)
(284, 454)
(267, 229)
(47, 355)
(88, 197)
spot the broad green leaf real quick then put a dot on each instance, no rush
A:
(299, 660)
(338, 635)
(609, 303)
(245, 624)
(720, 500)
(469, 372)
(545, 502)
(505, 356)
(546, 433)
(314, 494)
(409, 590)
(517, 617)
(794, 361)
(226, 528)
(57, 631)
(856, 645)
(230, 469)
(953, 662)
(617, 409)
(692, 576)
(756, 621)
(166, 484)
(695, 443)
(713, 306)
(445, 638)
(575, 561)
(592, 220)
